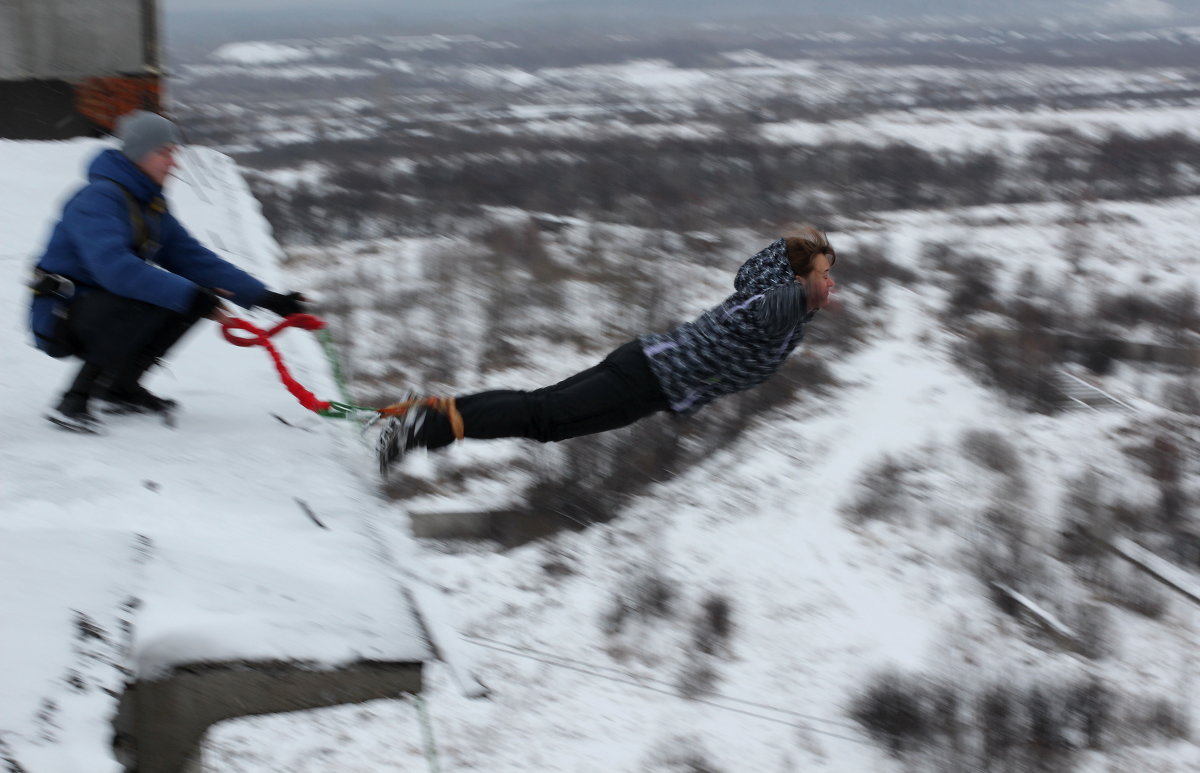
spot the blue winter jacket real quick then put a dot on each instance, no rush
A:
(738, 344)
(92, 245)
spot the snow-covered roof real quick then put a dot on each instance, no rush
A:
(234, 536)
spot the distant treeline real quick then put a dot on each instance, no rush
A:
(685, 184)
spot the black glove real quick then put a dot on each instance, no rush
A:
(203, 303)
(283, 305)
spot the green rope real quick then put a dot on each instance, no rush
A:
(338, 410)
(344, 409)
(334, 362)
(427, 734)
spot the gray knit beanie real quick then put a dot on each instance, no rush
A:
(142, 132)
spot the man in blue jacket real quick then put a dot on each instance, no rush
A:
(122, 280)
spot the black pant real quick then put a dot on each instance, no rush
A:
(122, 337)
(616, 392)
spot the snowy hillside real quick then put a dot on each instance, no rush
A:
(153, 547)
(857, 531)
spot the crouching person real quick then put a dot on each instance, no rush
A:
(121, 280)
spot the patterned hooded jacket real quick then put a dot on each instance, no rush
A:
(738, 344)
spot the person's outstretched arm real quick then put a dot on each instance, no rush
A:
(183, 254)
(782, 308)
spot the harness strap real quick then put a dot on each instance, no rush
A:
(144, 244)
(45, 283)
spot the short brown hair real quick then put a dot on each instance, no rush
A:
(803, 247)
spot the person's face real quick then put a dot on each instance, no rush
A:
(157, 164)
(818, 282)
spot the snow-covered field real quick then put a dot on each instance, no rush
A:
(995, 79)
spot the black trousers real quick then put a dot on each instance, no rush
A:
(616, 392)
(121, 337)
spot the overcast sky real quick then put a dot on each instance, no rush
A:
(819, 7)
(396, 6)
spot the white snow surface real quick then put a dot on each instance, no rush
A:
(196, 534)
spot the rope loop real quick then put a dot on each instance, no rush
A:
(259, 337)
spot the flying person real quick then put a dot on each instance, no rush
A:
(734, 346)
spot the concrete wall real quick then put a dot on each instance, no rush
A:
(70, 39)
(41, 110)
(160, 723)
(509, 528)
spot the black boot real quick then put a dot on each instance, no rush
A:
(127, 337)
(134, 399)
(399, 435)
(125, 395)
(72, 410)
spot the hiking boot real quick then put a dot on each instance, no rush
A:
(72, 414)
(399, 436)
(134, 399)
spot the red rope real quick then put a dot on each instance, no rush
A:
(260, 337)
